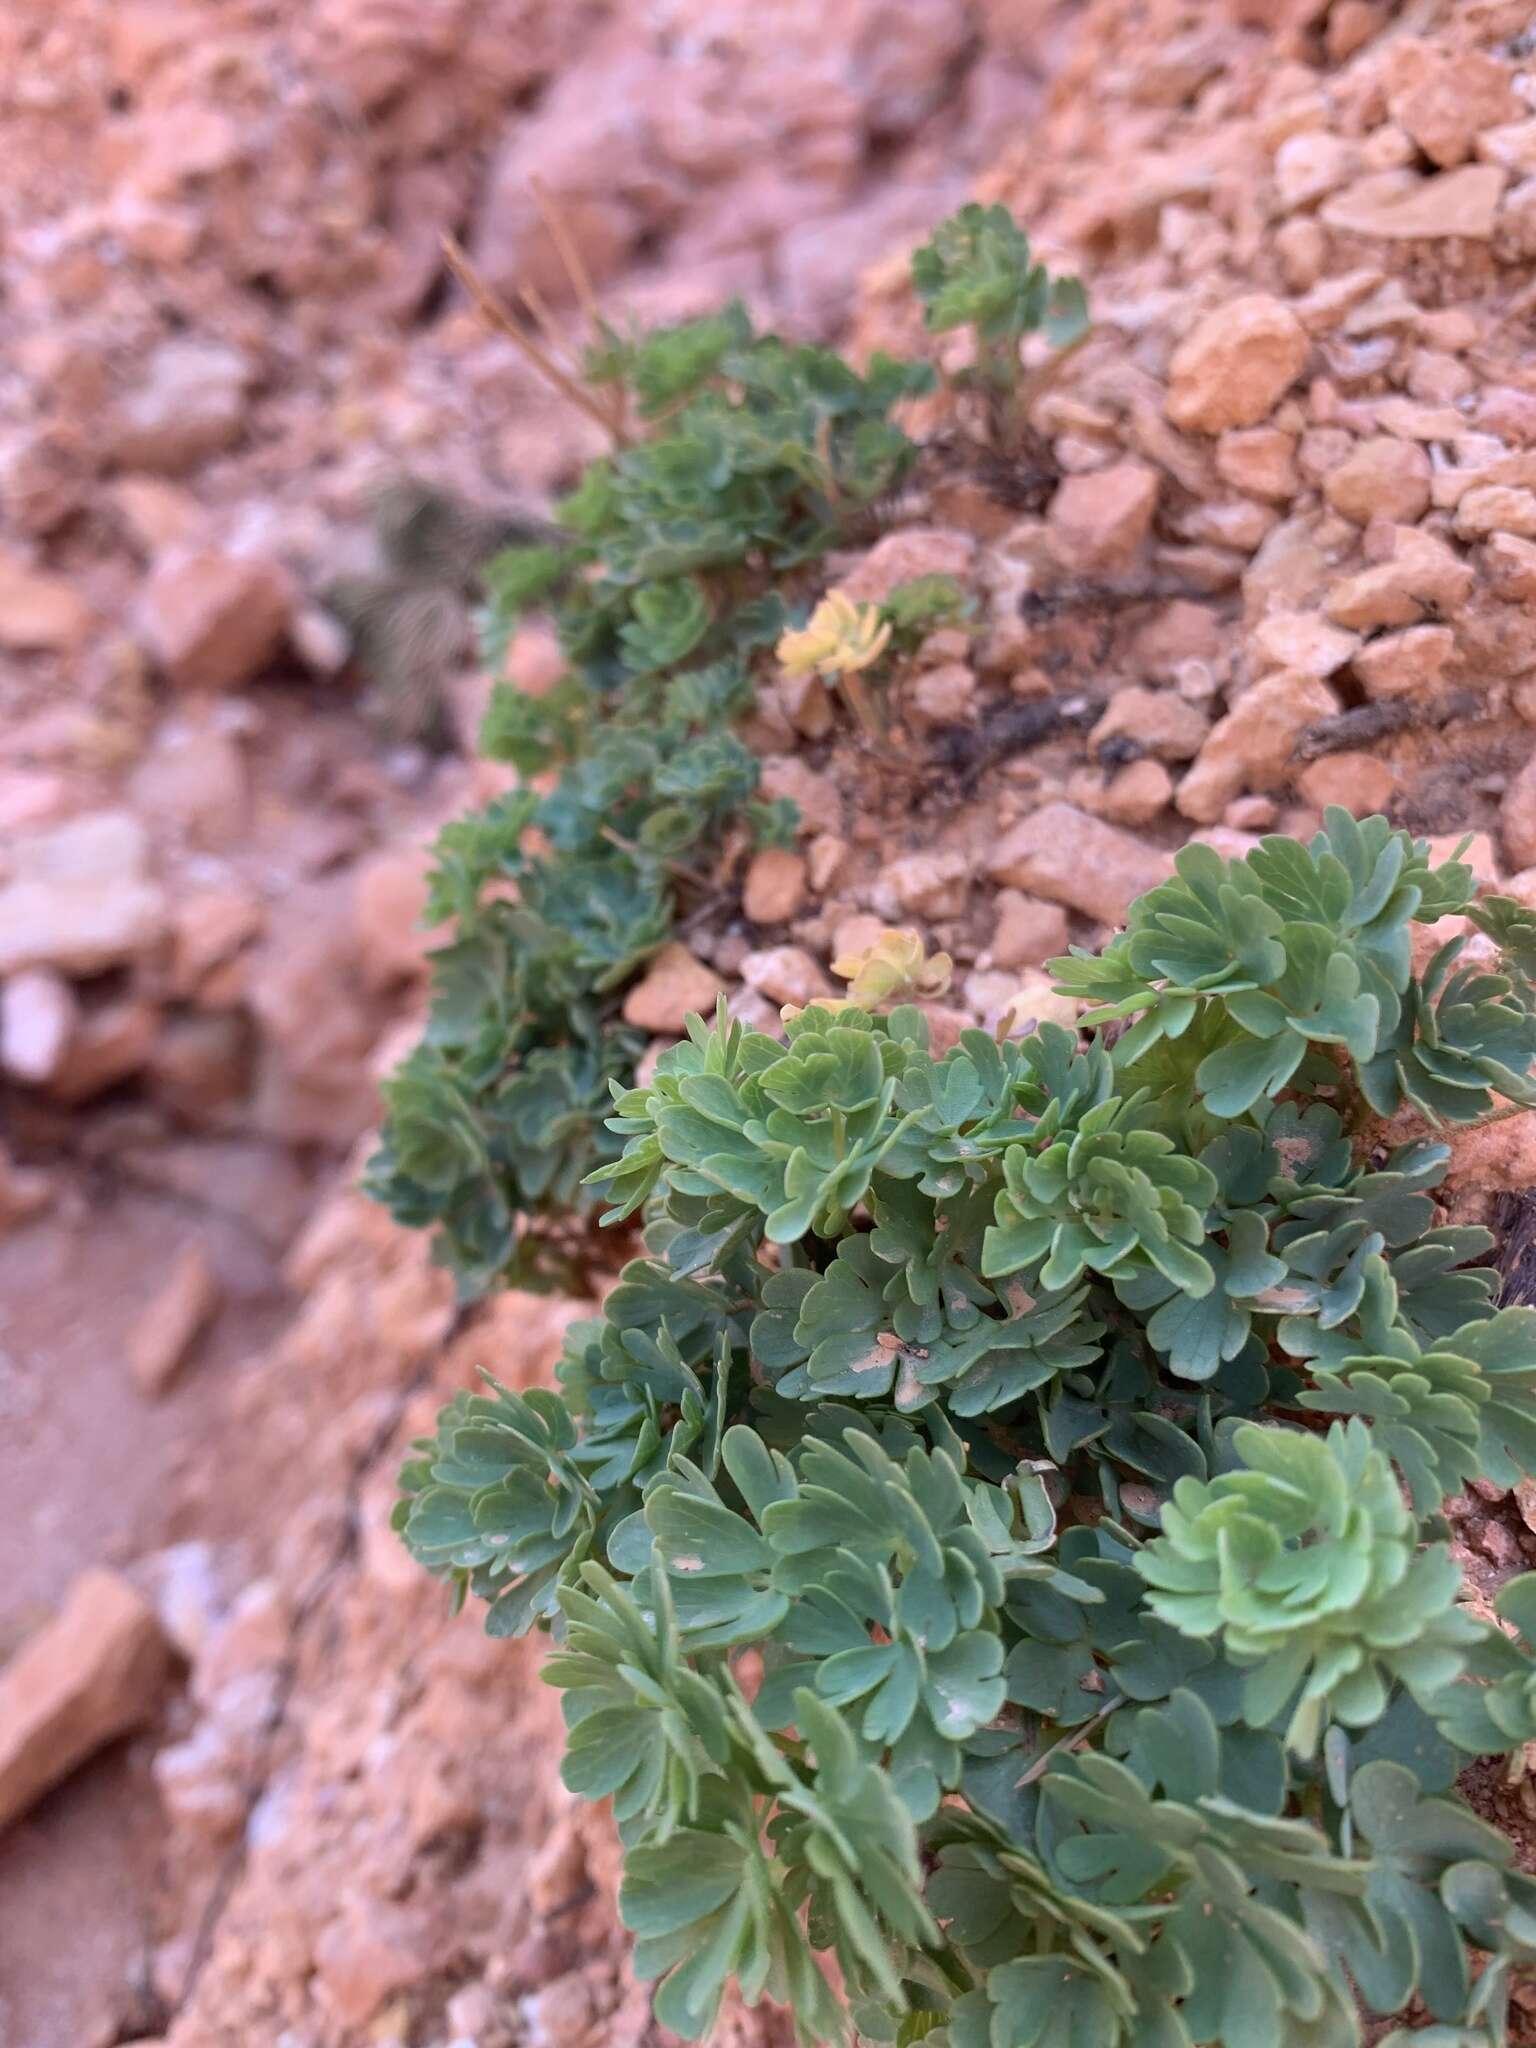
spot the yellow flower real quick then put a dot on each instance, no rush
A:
(840, 637)
(893, 969)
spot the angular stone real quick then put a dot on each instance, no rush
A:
(1359, 782)
(1421, 577)
(1076, 859)
(903, 557)
(934, 884)
(209, 928)
(1134, 795)
(172, 1320)
(1161, 721)
(1260, 461)
(38, 1016)
(1382, 478)
(1400, 206)
(1251, 748)
(817, 796)
(1099, 522)
(39, 614)
(786, 974)
(190, 404)
(1446, 98)
(193, 779)
(1497, 508)
(774, 888)
(1236, 365)
(76, 896)
(943, 695)
(1311, 164)
(1303, 641)
(389, 899)
(1510, 564)
(108, 1044)
(93, 1673)
(673, 987)
(1398, 664)
(212, 621)
(1028, 932)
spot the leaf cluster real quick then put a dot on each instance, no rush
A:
(978, 271)
(993, 1532)
(660, 580)
(670, 574)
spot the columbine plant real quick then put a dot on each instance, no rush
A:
(978, 271)
(672, 571)
(992, 1535)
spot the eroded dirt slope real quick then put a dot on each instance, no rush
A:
(1274, 546)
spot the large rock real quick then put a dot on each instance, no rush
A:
(1236, 365)
(93, 1673)
(1382, 478)
(1420, 578)
(774, 887)
(1028, 932)
(1399, 664)
(675, 986)
(905, 556)
(213, 621)
(39, 614)
(1497, 508)
(1100, 522)
(1160, 721)
(786, 974)
(1445, 98)
(38, 1015)
(1400, 206)
(1070, 857)
(1251, 748)
(1302, 641)
(193, 782)
(78, 897)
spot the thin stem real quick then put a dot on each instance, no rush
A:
(1069, 1741)
(676, 867)
(495, 310)
(581, 284)
(856, 698)
(1044, 375)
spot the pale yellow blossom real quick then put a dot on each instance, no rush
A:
(840, 637)
(893, 969)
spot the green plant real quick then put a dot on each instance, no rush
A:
(993, 1534)
(662, 588)
(978, 271)
(669, 574)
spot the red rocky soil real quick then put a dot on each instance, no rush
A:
(1274, 547)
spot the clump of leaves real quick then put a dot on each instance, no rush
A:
(992, 1534)
(978, 271)
(739, 460)
(660, 579)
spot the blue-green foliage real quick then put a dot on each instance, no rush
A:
(1000, 1514)
(662, 596)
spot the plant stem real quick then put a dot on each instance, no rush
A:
(1069, 1741)
(500, 315)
